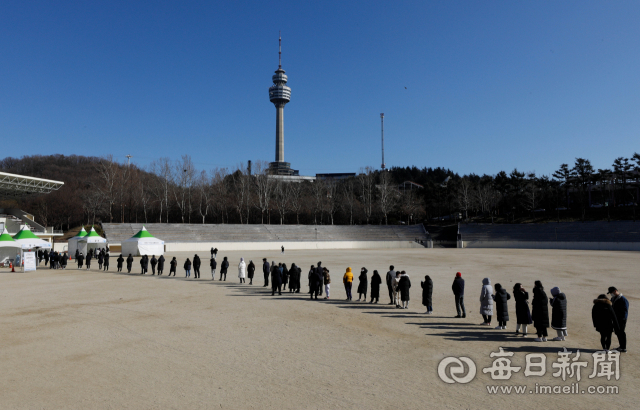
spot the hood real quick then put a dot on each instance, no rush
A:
(602, 302)
(225, 258)
(486, 281)
(348, 269)
(241, 259)
(555, 291)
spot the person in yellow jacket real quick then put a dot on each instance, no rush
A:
(347, 279)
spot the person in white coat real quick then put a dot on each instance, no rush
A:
(242, 270)
(486, 301)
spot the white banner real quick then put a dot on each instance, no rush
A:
(29, 259)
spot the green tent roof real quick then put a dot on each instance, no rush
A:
(143, 234)
(25, 233)
(5, 237)
(92, 233)
(82, 233)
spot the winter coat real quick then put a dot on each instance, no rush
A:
(161, 263)
(276, 276)
(620, 307)
(486, 299)
(154, 261)
(242, 270)
(213, 263)
(173, 265)
(251, 269)
(129, 261)
(348, 277)
(427, 291)
(376, 280)
(266, 268)
(559, 312)
(187, 265)
(100, 258)
(523, 315)
(327, 277)
(79, 259)
(363, 282)
(89, 257)
(120, 260)
(404, 284)
(285, 274)
(106, 259)
(458, 286)
(603, 317)
(502, 308)
(314, 279)
(224, 266)
(196, 262)
(540, 309)
(391, 275)
(145, 262)
(294, 277)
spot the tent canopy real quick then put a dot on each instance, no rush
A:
(91, 241)
(6, 241)
(28, 240)
(72, 244)
(143, 243)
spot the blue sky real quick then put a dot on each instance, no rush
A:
(489, 85)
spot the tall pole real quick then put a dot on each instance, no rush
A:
(382, 131)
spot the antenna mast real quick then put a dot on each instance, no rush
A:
(279, 49)
(382, 130)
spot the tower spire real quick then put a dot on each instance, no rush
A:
(279, 49)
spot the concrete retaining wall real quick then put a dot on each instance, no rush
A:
(587, 246)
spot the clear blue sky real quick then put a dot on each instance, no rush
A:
(490, 85)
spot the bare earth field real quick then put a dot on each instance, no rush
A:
(73, 339)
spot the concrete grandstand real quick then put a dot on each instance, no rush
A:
(200, 237)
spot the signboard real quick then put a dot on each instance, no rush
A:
(29, 259)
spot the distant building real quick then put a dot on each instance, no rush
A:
(409, 185)
(336, 176)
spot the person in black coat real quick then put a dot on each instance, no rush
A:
(314, 282)
(285, 276)
(187, 268)
(144, 263)
(80, 260)
(76, 255)
(215, 253)
(265, 272)
(213, 264)
(427, 294)
(523, 315)
(63, 260)
(621, 308)
(89, 257)
(376, 281)
(251, 269)
(129, 263)
(502, 308)
(276, 279)
(540, 312)
(604, 320)
(403, 286)
(458, 292)
(223, 268)
(100, 260)
(120, 260)
(293, 278)
(46, 257)
(389, 278)
(558, 314)
(160, 265)
(106, 261)
(153, 262)
(363, 284)
(173, 266)
(196, 266)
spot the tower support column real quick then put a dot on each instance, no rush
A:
(280, 132)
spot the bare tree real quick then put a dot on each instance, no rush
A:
(240, 181)
(282, 199)
(184, 173)
(331, 201)
(203, 184)
(295, 192)
(464, 197)
(162, 187)
(108, 171)
(145, 195)
(388, 193)
(263, 187)
(220, 191)
(366, 179)
(92, 203)
(349, 197)
(531, 192)
(318, 192)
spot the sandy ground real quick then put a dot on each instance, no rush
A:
(100, 340)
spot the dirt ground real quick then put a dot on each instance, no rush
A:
(78, 339)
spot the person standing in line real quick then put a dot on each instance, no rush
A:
(251, 269)
(119, 261)
(75, 256)
(347, 280)
(173, 266)
(604, 320)
(63, 260)
(621, 308)
(265, 271)
(320, 277)
(100, 260)
(242, 271)
(282, 250)
(187, 268)
(404, 284)
(376, 280)
(313, 282)
(293, 278)
(106, 261)
(80, 260)
(212, 252)
(558, 314)
(196, 266)
(276, 279)
(391, 275)
(215, 253)
(160, 265)
(129, 263)
(427, 294)
(458, 292)
(486, 301)
(502, 309)
(396, 289)
(145, 264)
(326, 279)
(540, 311)
(523, 315)
(312, 270)
(363, 283)
(285, 276)
(153, 262)
(213, 264)
(46, 257)
(299, 279)
(89, 257)
(223, 268)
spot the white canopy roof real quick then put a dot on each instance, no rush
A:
(28, 240)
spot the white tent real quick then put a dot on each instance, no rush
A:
(91, 241)
(28, 240)
(72, 245)
(143, 243)
(8, 247)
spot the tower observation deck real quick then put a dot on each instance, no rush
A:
(280, 95)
